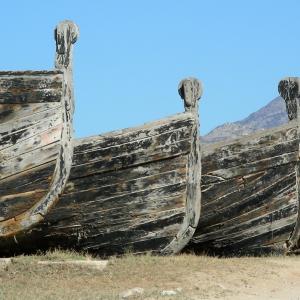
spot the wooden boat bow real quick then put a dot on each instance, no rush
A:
(36, 132)
(135, 189)
(289, 90)
(190, 90)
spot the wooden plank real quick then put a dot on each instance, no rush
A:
(77, 207)
(247, 156)
(256, 166)
(122, 176)
(241, 204)
(13, 205)
(123, 188)
(257, 231)
(90, 236)
(268, 242)
(147, 231)
(279, 208)
(264, 138)
(124, 136)
(30, 88)
(151, 143)
(10, 128)
(137, 158)
(27, 133)
(37, 178)
(14, 112)
(40, 140)
(283, 199)
(31, 72)
(29, 160)
(226, 194)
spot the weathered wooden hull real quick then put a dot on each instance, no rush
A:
(113, 203)
(32, 125)
(132, 190)
(249, 194)
(36, 109)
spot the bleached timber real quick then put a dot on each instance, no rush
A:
(127, 191)
(36, 109)
(250, 197)
(136, 189)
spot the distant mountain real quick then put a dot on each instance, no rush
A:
(271, 115)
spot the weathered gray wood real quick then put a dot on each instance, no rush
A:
(40, 127)
(66, 34)
(40, 88)
(137, 189)
(289, 90)
(40, 140)
(10, 128)
(190, 90)
(141, 207)
(14, 112)
(249, 200)
(35, 134)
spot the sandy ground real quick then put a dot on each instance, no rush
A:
(148, 277)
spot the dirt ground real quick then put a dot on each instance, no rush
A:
(177, 277)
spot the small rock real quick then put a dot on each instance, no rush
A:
(169, 293)
(131, 293)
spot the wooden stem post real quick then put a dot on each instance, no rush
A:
(190, 90)
(66, 34)
(289, 90)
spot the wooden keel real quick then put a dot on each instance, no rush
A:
(36, 111)
(134, 190)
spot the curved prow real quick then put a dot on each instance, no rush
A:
(289, 90)
(52, 93)
(190, 90)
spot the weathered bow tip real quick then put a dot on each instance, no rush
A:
(288, 89)
(71, 27)
(190, 90)
(66, 34)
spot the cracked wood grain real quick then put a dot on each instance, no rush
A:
(36, 131)
(131, 189)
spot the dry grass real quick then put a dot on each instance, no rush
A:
(199, 277)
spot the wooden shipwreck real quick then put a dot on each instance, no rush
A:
(250, 189)
(134, 190)
(36, 109)
(140, 189)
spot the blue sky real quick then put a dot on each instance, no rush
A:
(132, 54)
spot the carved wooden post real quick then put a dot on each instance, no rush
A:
(190, 90)
(289, 90)
(66, 34)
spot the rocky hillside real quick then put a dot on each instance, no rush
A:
(271, 115)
